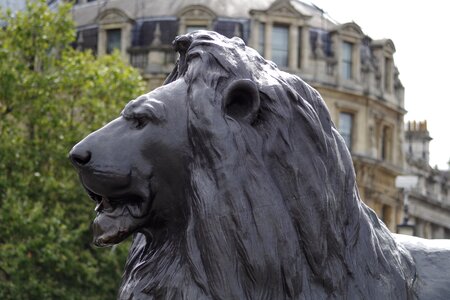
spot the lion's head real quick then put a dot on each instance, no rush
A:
(135, 167)
(237, 186)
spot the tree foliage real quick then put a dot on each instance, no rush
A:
(51, 96)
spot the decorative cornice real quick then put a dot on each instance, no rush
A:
(197, 12)
(113, 15)
(281, 8)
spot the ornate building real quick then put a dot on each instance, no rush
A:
(429, 199)
(355, 74)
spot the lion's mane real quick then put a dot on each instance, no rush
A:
(273, 211)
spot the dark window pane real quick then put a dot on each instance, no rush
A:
(88, 39)
(346, 128)
(347, 61)
(386, 143)
(113, 37)
(143, 32)
(228, 28)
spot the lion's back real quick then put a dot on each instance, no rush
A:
(432, 258)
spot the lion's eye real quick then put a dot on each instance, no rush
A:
(140, 122)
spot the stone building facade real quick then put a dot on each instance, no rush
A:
(355, 74)
(429, 200)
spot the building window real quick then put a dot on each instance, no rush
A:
(386, 143)
(88, 39)
(386, 215)
(113, 38)
(346, 128)
(191, 28)
(280, 45)
(387, 74)
(347, 61)
(261, 38)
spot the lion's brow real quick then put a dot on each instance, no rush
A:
(145, 107)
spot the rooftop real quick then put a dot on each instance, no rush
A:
(86, 14)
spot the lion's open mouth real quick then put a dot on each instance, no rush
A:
(118, 215)
(116, 206)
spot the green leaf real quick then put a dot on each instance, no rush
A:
(51, 96)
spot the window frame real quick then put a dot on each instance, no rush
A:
(347, 62)
(118, 41)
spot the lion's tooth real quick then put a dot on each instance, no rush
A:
(99, 206)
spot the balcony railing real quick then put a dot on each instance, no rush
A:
(139, 60)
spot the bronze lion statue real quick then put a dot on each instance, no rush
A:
(235, 184)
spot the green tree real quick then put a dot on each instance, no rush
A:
(51, 96)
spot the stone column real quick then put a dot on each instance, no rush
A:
(254, 34)
(357, 62)
(337, 47)
(182, 27)
(268, 40)
(101, 44)
(293, 47)
(305, 47)
(125, 41)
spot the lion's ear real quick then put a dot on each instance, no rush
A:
(241, 100)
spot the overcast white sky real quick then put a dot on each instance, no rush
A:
(419, 30)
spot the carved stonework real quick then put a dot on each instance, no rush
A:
(196, 12)
(389, 46)
(285, 12)
(350, 29)
(112, 16)
(281, 8)
(156, 36)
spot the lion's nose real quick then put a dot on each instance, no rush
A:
(79, 157)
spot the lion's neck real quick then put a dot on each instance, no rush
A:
(158, 271)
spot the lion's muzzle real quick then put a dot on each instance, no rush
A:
(122, 197)
(79, 157)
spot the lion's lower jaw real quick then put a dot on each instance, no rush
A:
(109, 230)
